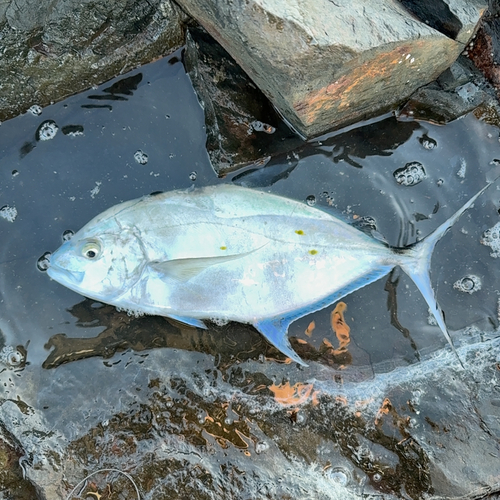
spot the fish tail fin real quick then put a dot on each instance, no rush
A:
(418, 270)
(417, 263)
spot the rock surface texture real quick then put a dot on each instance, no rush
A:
(242, 125)
(459, 90)
(384, 410)
(324, 64)
(52, 50)
(484, 50)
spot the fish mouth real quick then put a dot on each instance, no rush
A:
(64, 276)
(60, 267)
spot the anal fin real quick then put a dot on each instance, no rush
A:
(276, 332)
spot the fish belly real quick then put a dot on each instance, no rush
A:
(285, 257)
(264, 285)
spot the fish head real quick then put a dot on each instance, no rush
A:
(100, 263)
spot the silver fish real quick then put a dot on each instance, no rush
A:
(235, 254)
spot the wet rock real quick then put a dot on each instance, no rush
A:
(460, 89)
(326, 64)
(391, 433)
(39, 451)
(13, 482)
(52, 51)
(438, 106)
(462, 71)
(484, 49)
(191, 427)
(242, 125)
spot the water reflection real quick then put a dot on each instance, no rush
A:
(124, 86)
(375, 139)
(189, 410)
(391, 286)
(122, 332)
(342, 330)
(229, 344)
(266, 175)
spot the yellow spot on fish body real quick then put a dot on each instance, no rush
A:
(299, 231)
(313, 251)
(223, 248)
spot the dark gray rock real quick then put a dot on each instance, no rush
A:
(232, 430)
(326, 64)
(462, 71)
(484, 50)
(12, 473)
(242, 125)
(438, 106)
(451, 18)
(50, 51)
(460, 89)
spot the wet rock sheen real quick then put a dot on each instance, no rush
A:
(324, 64)
(52, 50)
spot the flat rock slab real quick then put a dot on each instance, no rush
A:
(325, 64)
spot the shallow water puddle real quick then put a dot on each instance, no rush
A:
(220, 413)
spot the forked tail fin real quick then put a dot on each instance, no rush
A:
(416, 263)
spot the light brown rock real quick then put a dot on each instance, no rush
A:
(324, 63)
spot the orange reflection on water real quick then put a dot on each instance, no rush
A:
(310, 328)
(292, 395)
(340, 327)
(341, 399)
(383, 410)
(339, 354)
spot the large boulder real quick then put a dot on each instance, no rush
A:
(325, 64)
(52, 50)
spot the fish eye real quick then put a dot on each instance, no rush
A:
(91, 250)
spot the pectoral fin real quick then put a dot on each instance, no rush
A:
(184, 269)
(275, 331)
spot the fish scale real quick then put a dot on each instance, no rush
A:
(236, 254)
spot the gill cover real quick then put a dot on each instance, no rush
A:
(99, 266)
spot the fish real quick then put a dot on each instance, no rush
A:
(230, 253)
